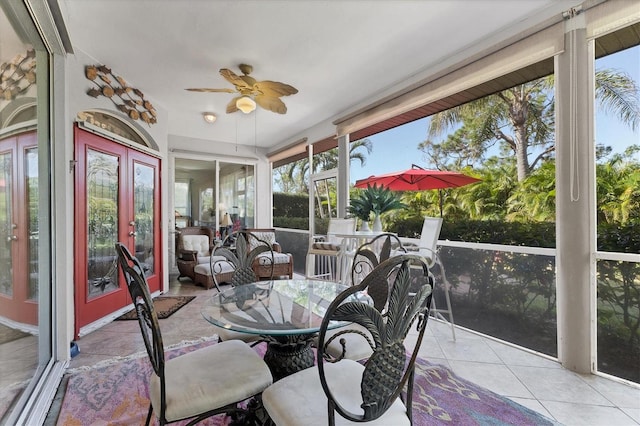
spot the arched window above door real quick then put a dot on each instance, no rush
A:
(109, 124)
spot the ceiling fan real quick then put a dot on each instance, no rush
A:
(264, 93)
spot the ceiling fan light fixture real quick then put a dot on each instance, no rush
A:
(209, 117)
(246, 104)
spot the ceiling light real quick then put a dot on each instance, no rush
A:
(209, 117)
(246, 104)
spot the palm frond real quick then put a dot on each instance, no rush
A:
(362, 314)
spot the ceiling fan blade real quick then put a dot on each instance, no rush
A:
(233, 78)
(275, 88)
(212, 90)
(271, 104)
(231, 106)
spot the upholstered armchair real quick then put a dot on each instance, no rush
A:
(283, 262)
(193, 246)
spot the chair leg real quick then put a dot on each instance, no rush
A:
(149, 414)
(449, 311)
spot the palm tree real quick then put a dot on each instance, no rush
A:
(521, 120)
(299, 170)
(618, 188)
(534, 199)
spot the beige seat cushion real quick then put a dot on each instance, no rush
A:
(299, 399)
(357, 347)
(204, 268)
(278, 258)
(225, 334)
(199, 243)
(324, 245)
(211, 377)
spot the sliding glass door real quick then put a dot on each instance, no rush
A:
(217, 194)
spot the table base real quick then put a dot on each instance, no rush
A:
(286, 355)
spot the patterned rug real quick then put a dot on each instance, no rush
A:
(116, 394)
(165, 307)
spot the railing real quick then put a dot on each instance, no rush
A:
(509, 293)
(618, 314)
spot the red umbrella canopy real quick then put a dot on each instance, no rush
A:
(417, 179)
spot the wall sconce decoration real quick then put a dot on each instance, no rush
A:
(17, 75)
(127, 99)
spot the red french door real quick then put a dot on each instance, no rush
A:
(19, 228)
(117, 199)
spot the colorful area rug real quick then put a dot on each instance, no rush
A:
(165, 307)
(116, 394)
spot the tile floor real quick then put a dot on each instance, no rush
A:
(528, 379)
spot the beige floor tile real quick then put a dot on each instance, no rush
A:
(465, 349)
(576, 414)
(534, 405)
(552, 384)
(620, 394)
(496, 377)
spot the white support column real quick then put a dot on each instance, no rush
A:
(343, 175)
(575, 198)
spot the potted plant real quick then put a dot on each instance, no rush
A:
(377, 200)
(361, 209)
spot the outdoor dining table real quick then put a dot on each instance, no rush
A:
(287, 314)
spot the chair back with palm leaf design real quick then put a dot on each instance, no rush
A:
(240, 257)
(147, 316)
(391, 366)
(373, 252)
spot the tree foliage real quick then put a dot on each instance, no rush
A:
(520, 122)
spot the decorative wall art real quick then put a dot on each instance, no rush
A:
(127, 99)
(17, 75)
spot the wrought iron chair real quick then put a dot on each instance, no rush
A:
(241, 259)
(180, 388)
(428, 247)
(380, 390)
(325, 254)
(354, 341)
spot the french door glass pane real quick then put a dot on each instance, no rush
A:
(102, 219)
(143, 181)
(6, 221)
(32, 197)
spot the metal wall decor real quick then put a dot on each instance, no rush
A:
(17, 75)
(127, 99)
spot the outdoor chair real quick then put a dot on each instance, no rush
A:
(325, 256)
(193, 247)
(357, 345)
(428, 248)
(180, 388)
(282, 263)
(379, 391)
(240, 258)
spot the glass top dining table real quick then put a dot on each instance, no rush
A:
(287, 314)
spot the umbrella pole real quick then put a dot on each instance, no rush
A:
(440, 200)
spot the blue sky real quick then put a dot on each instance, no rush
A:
(396, 149)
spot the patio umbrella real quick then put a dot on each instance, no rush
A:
(418, 179)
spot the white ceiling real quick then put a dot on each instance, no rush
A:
(340, 55)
